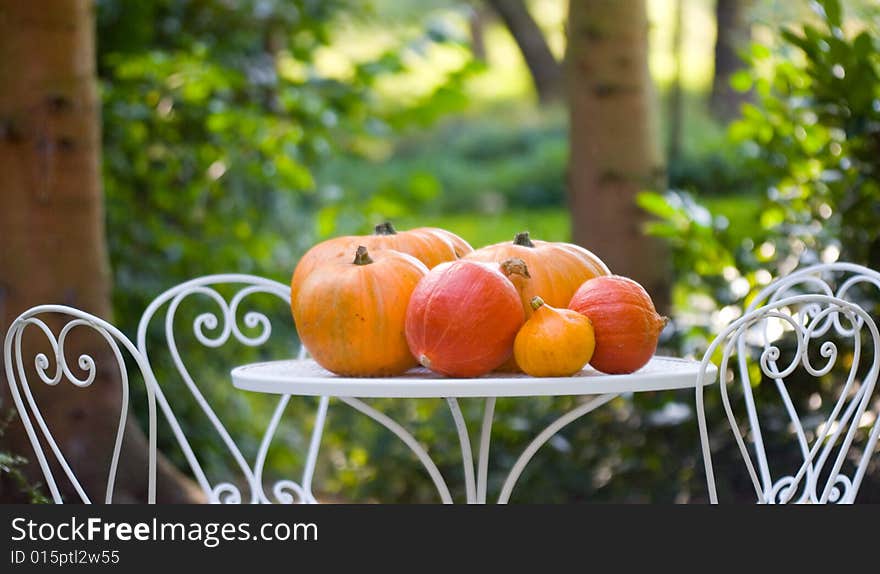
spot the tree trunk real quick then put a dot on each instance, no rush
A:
(52, 245)
(732, 37)
(477, 27)
(614, 150)
(675, 113)
(545, 70)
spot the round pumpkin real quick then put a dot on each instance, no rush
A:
(554, 342)
(430, 245)
(459, 245)
(462, 319)
(555, 270)
(626, 324)
(350, 313)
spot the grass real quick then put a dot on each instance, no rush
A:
(550, 224)
(553, 223)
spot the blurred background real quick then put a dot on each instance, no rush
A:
(700, 146)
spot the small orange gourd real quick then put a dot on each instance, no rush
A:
(553, 342)
(626, 323)
(351, 315)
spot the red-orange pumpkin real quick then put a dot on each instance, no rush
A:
(555, 270)
(626, 324)
(430, 245)
(350, 313)
(462, 319)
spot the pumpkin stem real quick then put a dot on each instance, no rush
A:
(522, 238)
(515, 266)
(536, 303)
(384, 229)
(361, 257)
(424, 361)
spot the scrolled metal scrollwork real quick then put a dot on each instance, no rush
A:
(225, 493)
(213, 329)
(29, 411)
(229, 326)
(290, 492)
(809, 318)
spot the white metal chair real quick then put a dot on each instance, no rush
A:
(223, 320)
(810, 306)
(29, 411)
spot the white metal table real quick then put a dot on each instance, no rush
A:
(304, 377)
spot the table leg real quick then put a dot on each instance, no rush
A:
(288, 491)
(408, 439)
(467, 457)
(314, 446)
(485, 437)
(543, 437)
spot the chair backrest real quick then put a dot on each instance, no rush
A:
(222, 318)
(26, 403)
(843, 280)
(839, 280)
(815, 324)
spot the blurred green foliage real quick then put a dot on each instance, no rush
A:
(811, 141)
(216, 123)
(475, 162)
(811, 144)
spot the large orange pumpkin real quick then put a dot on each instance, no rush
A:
(555, 270)
(462, 319)
(350, 313)
(430, 245)
(626, 324)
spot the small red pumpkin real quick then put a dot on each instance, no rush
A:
(626, 324)
(462, 319)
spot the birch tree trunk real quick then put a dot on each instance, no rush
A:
(614, 149)
(52, 243)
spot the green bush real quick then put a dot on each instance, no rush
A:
(812, 143)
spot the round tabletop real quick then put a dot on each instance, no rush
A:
(307, 378)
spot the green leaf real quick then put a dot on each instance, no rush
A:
(831, 11)
(655, 204)
(741, 81)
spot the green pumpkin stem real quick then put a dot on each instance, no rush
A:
(384, 229)
(536, 303)
(361, 257)
(522, 238)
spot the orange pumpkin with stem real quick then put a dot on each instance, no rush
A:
(555, 270)
(350, 313)
(626, 324)
(430, 245)
(554, 342)
(462, 319)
